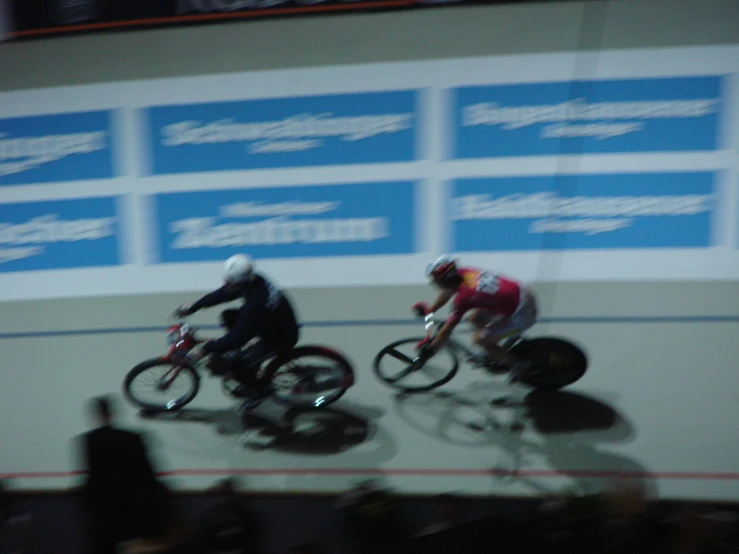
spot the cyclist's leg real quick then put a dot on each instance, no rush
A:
(228, 318)
(485, 325)
(248, 359)
(482, 322)
(272, 340)
(240, 362)
(220, 364)
(479, 319)
(490, 338)
(494, 333)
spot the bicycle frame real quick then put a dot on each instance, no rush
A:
(553, 362)
(181, 338)
(432, 325)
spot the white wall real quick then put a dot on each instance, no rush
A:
(657, 323)
(398, 163)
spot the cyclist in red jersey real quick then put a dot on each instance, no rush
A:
(496, 305)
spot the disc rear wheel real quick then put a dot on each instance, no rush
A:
(556, 362)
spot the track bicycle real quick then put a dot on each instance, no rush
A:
(315, 385)
(555, 362)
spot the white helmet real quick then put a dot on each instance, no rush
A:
(238, 269)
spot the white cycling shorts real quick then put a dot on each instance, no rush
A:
(519, 321)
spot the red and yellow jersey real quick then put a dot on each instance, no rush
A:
(487, 291)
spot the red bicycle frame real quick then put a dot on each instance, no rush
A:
(181, 339)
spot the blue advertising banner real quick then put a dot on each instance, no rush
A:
(56, 148)
(652, 210)
(284, 132)
(59, 234)
(591, 117)
(291, 222)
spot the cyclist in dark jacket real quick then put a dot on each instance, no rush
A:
(266, 313)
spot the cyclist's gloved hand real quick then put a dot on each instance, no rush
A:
(420, 309)
(184, 310)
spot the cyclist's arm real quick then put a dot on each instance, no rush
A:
(218, 296)
(444, 333)
(446, 329)
(246, 327)
(442, 298)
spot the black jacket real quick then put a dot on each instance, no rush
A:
(266, 311)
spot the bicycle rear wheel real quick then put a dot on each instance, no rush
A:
(556, 362)
(299, 381)
(441, 368)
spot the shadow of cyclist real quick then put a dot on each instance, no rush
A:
(569, 430)
(572, 428)
(459, 417)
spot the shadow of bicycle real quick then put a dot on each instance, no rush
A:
(457, 417)
(330, 430)
(564, 431)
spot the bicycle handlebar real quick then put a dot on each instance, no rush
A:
(429, 318)
(175, 315)
(430, 322)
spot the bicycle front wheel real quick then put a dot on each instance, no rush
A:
(397, 366)
(158, 385)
